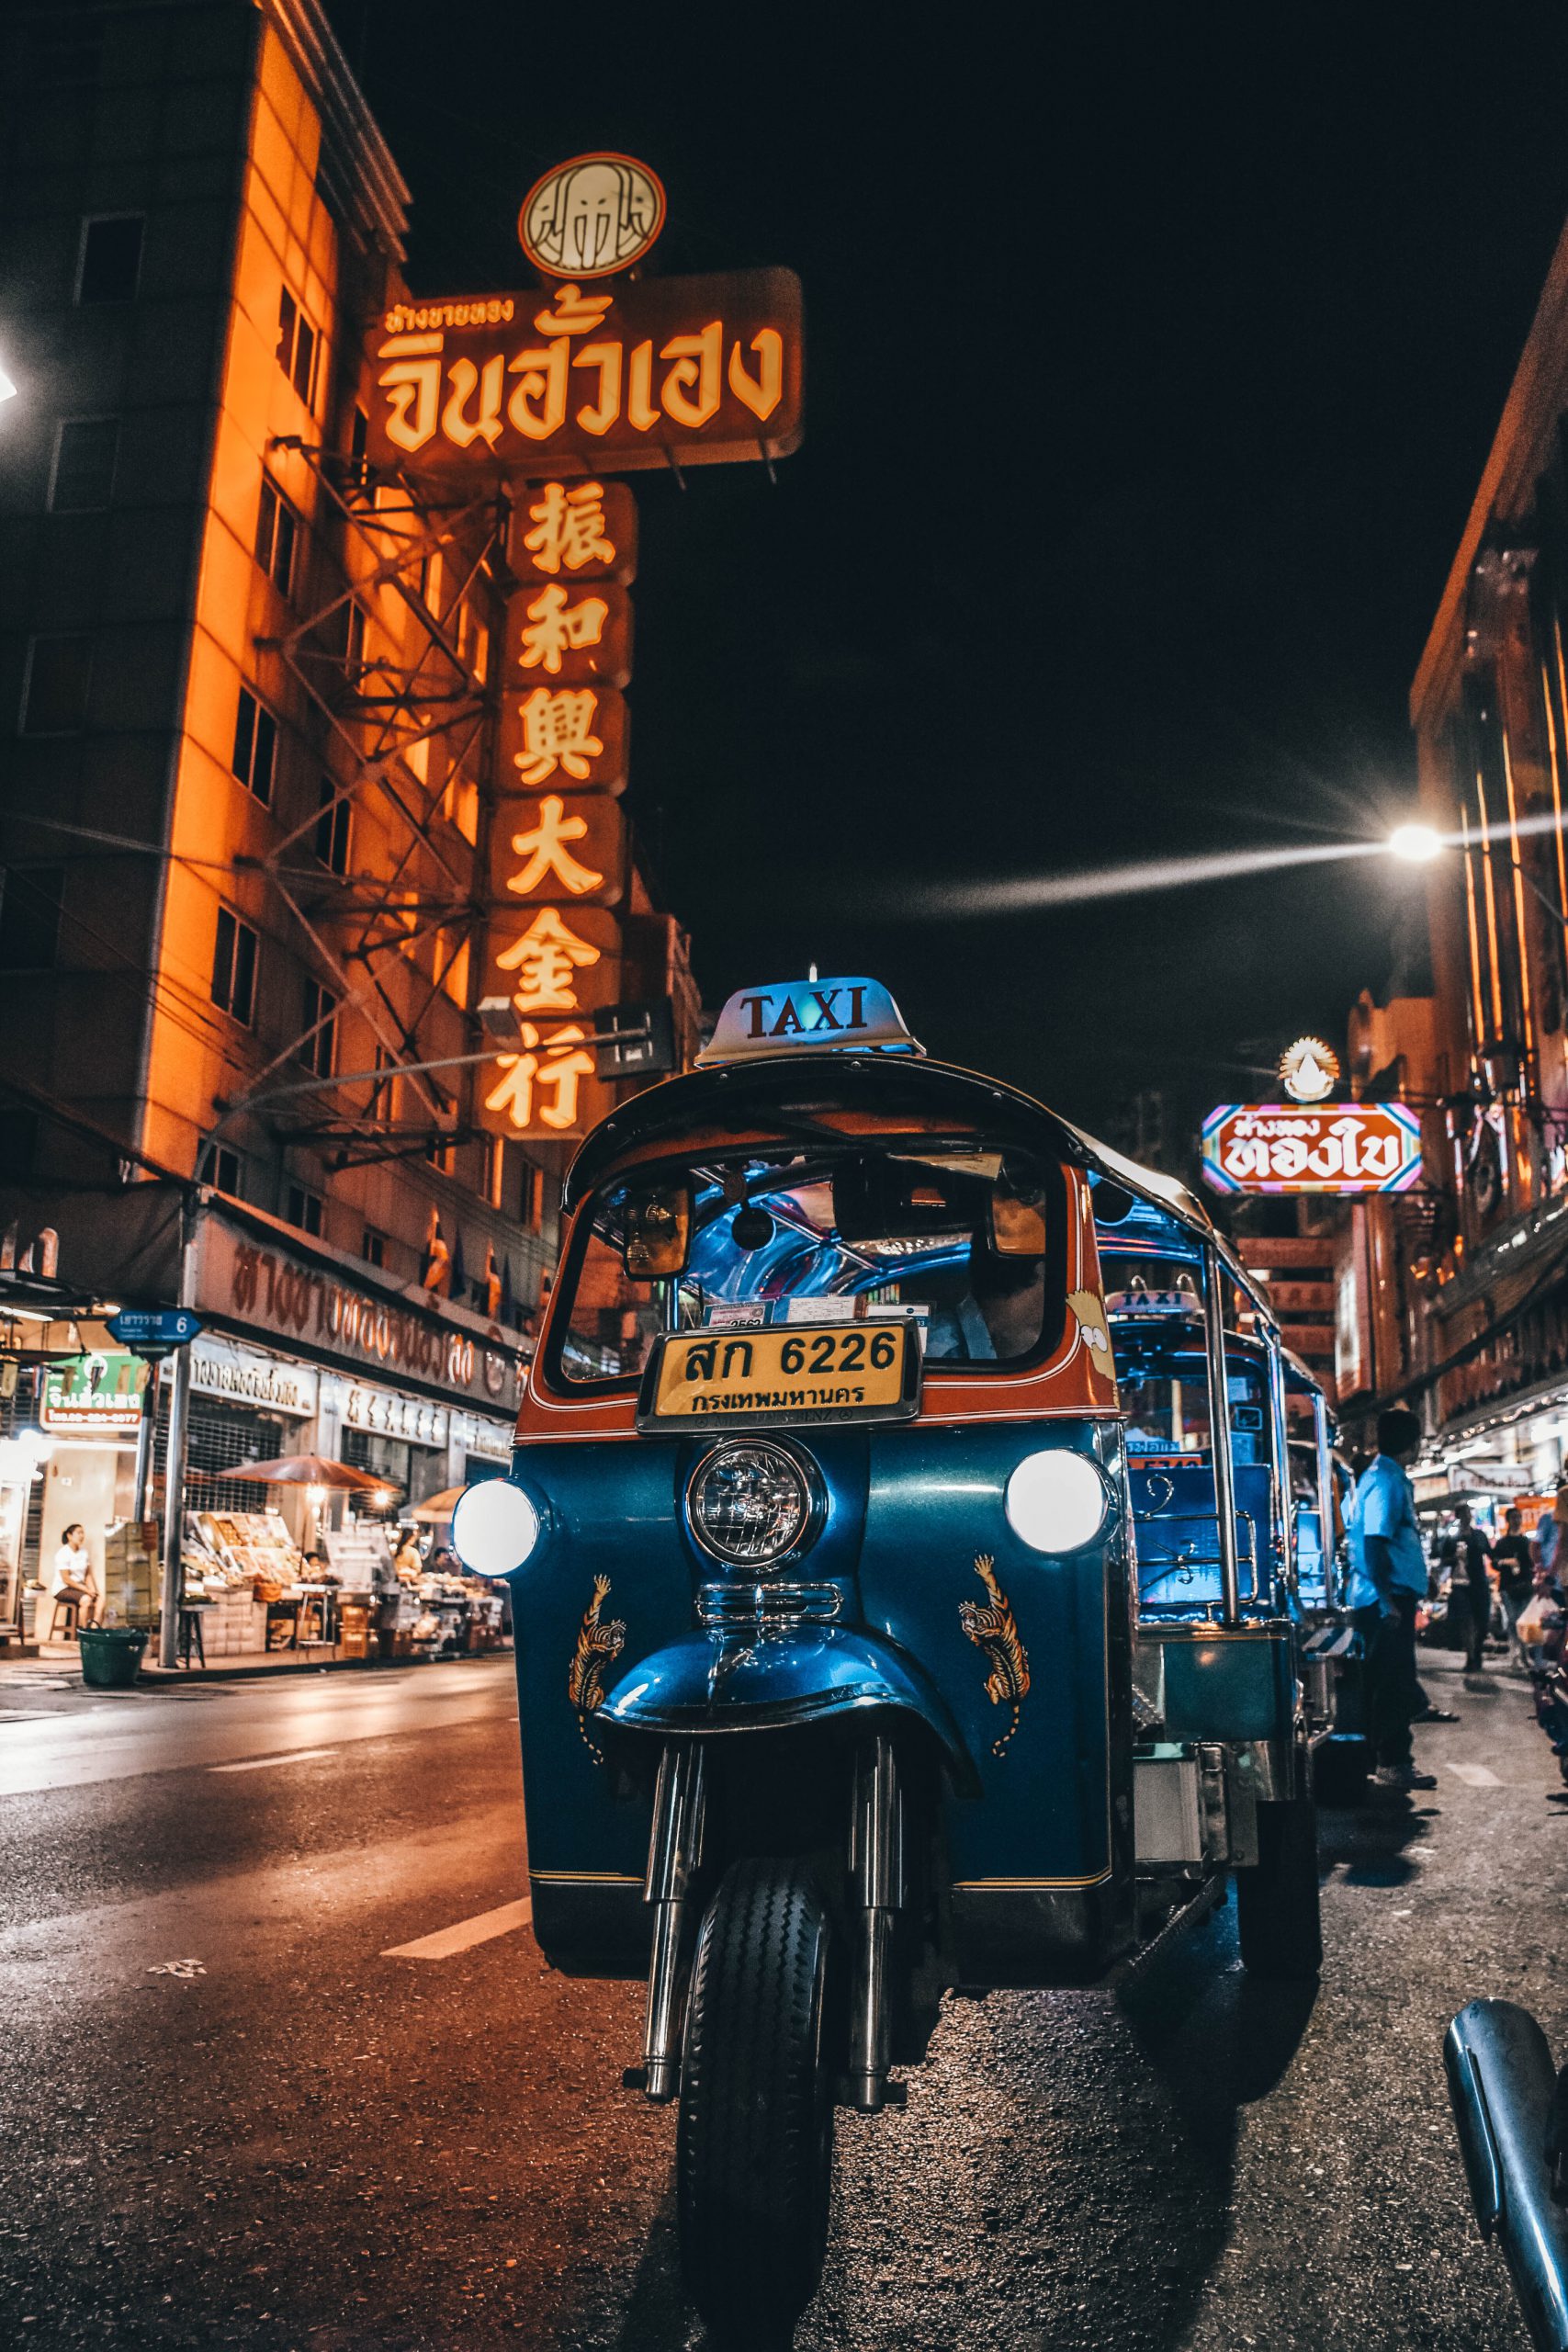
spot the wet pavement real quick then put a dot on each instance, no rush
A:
(234, 2112)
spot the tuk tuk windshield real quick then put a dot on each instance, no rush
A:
(965, 1238)
(1166, 1392)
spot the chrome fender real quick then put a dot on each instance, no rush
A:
(1503, 2085)
(769, 1680)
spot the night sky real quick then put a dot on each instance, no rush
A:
(1151, 366)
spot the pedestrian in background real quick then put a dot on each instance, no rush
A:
(1471, 1588)
(1388, 1578)
(1516, 1576)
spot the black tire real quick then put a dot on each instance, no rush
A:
(1276, 1901)
(1341, 1765)
(754, 2145)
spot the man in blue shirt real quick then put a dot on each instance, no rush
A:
(1388, 1577)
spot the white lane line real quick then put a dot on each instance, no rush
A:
(478, 1930)
(255, 1763)
(1477, 1775)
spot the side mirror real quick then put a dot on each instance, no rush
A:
(658, 1231)
(1017, 1211)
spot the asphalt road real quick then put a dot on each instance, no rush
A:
(319, 2143)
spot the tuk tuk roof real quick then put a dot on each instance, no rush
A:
(759, 1093)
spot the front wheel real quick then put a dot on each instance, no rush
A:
(754, 2145)
(1277, 1900)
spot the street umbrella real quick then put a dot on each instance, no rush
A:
(438, 1508)
(304, 1470)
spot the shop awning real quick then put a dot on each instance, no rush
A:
(303, 1470)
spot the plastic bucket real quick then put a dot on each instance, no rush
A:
(111, 1655)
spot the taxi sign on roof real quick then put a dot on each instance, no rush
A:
(809, 1016)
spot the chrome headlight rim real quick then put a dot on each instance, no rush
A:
(1015, 1508)
(806, 1469)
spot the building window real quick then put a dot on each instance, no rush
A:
(304, 1209)
(222, 1169)
(255, 745)
(59, 673)
(333, 829)
(440, 1154)
(354, 641)
(317, 1051)
(86, 448)
(30, 898)
(358, 443)
(276, 530)
(296, 346)
(373, 1246)
(531, 1206)
(234, 968)
(109, 266)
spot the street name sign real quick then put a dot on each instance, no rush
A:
(153, 1326)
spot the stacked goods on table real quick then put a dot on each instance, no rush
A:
(130, 1573)
(238, 1562)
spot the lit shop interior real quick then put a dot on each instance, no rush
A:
(316, 1505)
(1508, 1459)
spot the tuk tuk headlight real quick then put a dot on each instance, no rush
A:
(753, 1503)
(494, 1527)
(1056, 1501)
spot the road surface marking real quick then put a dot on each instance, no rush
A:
(255, 1763)
(1477, 1775)
(478, 1930)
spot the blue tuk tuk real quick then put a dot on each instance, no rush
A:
(895, 1611)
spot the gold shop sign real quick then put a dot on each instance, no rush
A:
(688, 371)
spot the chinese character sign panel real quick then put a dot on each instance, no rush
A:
(700, 370)
(579, 531)
(556, 849)
(1282, 1148)
(560, 965)
(564, 736)
(570, 633)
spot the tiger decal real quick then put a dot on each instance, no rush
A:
(993, 1629)
(598, 1646)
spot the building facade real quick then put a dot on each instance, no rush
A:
(1456, 1297)
(247, 743)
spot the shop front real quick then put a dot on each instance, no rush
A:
(304, 1363)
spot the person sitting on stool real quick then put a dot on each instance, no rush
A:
(72, 1579)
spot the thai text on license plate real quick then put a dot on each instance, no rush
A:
(868, 1371)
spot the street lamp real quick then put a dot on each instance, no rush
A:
(1417, 844)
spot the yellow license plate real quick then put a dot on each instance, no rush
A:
(718, 1379)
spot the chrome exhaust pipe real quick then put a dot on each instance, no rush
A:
(674, 1849)
(877, 1862)
(1503, 2085)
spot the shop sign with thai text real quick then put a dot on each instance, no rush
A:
(1347, 1147)
(259, 1284)
(655, 371)
(221, 1369)
(94, 1395)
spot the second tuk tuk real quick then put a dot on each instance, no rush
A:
(891, 1618)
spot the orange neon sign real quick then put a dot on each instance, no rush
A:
(697, 370)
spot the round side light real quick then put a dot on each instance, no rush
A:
(1056, 1501)
(494, 1527)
